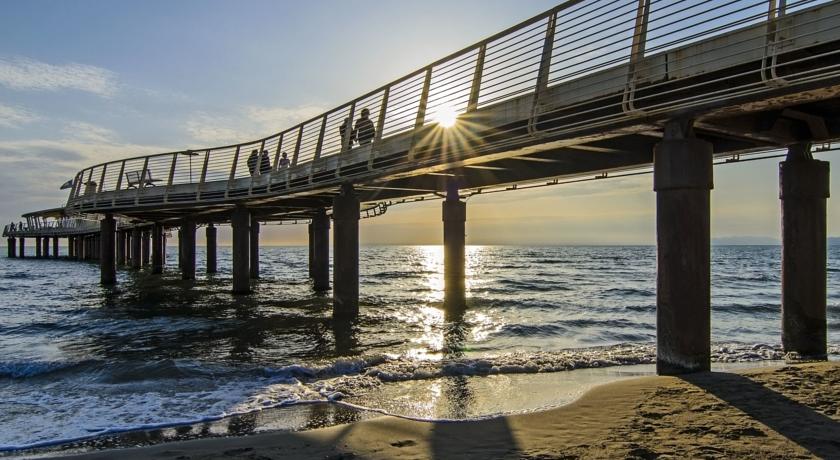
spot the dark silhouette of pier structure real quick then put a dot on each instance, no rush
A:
(588, 89)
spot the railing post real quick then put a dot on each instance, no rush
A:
(142, 179)
(472, 105)
(545, 59)
(297, 146)
(233, 165)
(172, 169)
(320, 143)
(637, 52)
(424, 99)
(102, 178)
(277, 152)
(383, 110)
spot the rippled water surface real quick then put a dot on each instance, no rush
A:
(77, 360)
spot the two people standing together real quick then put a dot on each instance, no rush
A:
(362, 133)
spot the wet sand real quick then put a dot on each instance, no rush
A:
(787, 412)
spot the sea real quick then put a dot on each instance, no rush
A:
(157, 358)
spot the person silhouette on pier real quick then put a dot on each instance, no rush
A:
(265, 163)
(253, 159)
(364, 130)
(345, 127)
(284, 161)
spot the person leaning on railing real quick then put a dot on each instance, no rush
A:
(253, 159)
(265, 163)
(364, 130)
(283, 162)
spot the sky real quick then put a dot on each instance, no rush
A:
(86, 81)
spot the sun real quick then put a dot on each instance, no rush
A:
(445, 116)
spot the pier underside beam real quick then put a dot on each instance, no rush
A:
(158, 248)
(188, 248)
(803, 190)
(107, 257)
(254, 248)
(240, 220)
(319, 250)
(454, 242)
(682, 181)
(346, 253)
(210, 237)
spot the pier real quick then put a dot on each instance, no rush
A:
(584, 91)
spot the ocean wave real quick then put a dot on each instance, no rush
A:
(26, 369)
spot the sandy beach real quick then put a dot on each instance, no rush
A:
(787, 412)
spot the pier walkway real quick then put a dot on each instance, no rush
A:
(588, 89)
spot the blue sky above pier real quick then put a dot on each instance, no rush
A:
(85, 82)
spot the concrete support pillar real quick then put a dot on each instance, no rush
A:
(346, 253)
(121, 248)
(135, 248)
(803, 190)
(38, 247)
(254, 243)
(45, 251)
(80, 248)
(239, 221)
(107, 257)
(11, 247)
(188, 248)
(71, 247)
(146, 248)
(210, 238)
(454, 248)
(158, 248)
(96, 243)
(21, 247)
(319, 250)
(55, 247)
(682, 181)
(311, 249)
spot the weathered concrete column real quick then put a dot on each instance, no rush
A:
(55, 247)
(188, 247)
(682, 181)
(121, 248)
(146, 247)
(311, 248)
(11, 247)
(454, 246)
(319, 244)
(21, 247)
(158, 248)
(107, 259)
(45, 251)
(346, 253)
(70, 246)
(80, 247)
(135, 248)
(239, 221)
(803, 189)
(96, 242)
(254, 243)
(210, 237)
(38, 247)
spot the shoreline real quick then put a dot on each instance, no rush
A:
(786, 412)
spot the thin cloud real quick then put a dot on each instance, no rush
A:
(14, 117)
(88, 132)
(30, 75)
(249, 123)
